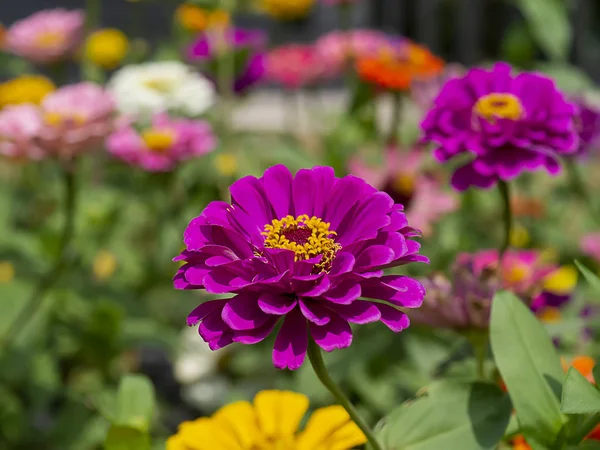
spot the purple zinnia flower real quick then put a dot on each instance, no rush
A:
(249, 49)
(509, 124)
(300, 250)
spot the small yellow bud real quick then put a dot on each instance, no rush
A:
(7, 272)
(107, 48)
(226, 164)
(105, 264)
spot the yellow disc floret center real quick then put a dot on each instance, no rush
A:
(308, 237)
(499, 106)
(158, 140)
(516, 274)
(49, 39)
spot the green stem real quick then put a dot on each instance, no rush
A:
(479, 341)
(504, 189)
(586, 427)
(392, 139)
(316, 359)
(49, 279)
(578, 186)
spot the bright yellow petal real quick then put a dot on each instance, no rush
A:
(175, 442)
(322, 424)
(562, 281)
(280, 412)
(241, 421)
(207, 434)
(345, 438)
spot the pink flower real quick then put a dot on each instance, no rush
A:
(402, 178)
(522, 270)
(294, 65)
(46, 36)
(19, 128)
(160, 147)
(337, 47)
(77, 117)
(590, 244)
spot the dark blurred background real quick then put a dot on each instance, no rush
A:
(466, 31)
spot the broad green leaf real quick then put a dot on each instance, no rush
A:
(455, 416)
(579, 396)
(549, 24)
(529, 365)
(567, 77)
(135, 402)
(590, 277)
(126, 438)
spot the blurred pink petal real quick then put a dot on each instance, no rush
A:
(46, 36)
(164, 144)
(19, 128)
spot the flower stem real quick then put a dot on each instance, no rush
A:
(504, 189)
(578, 186)
(316, 359)
(51, 277)
(479, 340)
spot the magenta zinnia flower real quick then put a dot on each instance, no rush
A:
(46, 36)
(588, 126)
(20, 126)
(248, 47)
(162, 145)
(509, 124)
(301, 250)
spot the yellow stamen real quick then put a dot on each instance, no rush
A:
(49, 39)
(550, 315)
(307, 237)
(55, 119)
(161, 85)
(404, 183)
(562, 281)
(516, 274)
(158, 140)
(499, 106)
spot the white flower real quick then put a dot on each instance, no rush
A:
(152, 87)
(195, 361)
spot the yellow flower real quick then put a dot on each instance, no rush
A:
(226, 164)
(562, 281)
(25, 89)
(195, 19)
(105, 264)
(107, 48)
(270, 423)
(7, 272)
(287, 9)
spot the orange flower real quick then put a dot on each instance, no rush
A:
(519, 443)
(396, 70)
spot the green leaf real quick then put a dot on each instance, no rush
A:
(529, 365)
(135, 402)
(590, 277)
(579, 395)
(548, 21)
(456, 416)
(126, 438)
(567, 77)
